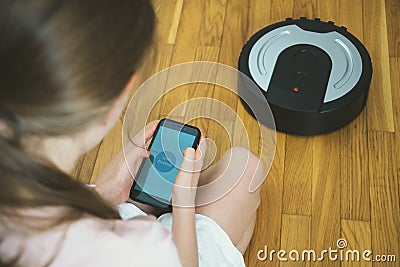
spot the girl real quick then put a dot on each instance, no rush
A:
(66, 69)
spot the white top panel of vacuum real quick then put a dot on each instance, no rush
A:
(346, 60)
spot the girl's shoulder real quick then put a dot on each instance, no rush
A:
(141, 241)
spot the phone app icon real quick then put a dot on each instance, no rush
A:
(165, 161)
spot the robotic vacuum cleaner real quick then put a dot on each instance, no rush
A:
(314, 75)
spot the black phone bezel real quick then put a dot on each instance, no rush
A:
(186, 128)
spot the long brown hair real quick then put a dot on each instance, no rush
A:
(62, 64)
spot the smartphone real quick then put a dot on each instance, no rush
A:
(156, 175)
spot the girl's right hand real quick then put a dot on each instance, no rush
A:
(183, 204)
(185, 186)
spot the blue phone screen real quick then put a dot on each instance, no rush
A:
(160, 169)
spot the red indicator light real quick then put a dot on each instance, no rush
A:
(296, 89)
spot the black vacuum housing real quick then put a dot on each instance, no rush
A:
(314, 75)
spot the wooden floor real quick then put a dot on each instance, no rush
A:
(340, 185)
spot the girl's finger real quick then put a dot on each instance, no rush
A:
(200, 154)
(149, 130)
(132, 155)
(202, 149)
(187, 165)
(145, 134)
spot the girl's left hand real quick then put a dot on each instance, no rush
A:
(115, 181)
